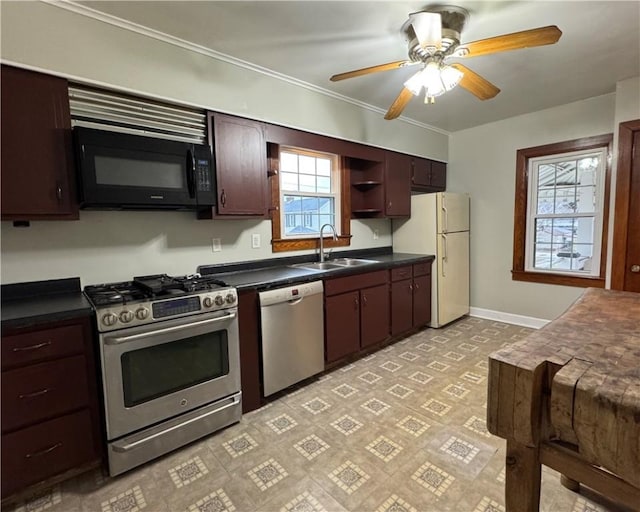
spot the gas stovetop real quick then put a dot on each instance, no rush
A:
(149, 299)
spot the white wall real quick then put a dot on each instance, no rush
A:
(482, 162)
(108, 246)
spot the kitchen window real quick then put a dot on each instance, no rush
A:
(561, 210)
(308, 190)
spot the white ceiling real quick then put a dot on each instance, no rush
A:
(312, 40)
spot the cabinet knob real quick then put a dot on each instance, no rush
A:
(416, 286)
(635, 268)
(223, 197)
(59, 191)
(355, 303)
(364, 299)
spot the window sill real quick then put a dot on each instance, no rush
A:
(299, 244)
(561, 279)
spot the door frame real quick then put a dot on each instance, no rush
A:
(622, 202)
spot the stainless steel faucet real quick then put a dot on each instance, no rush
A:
(335, 237)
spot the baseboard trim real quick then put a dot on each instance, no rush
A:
(509, 318)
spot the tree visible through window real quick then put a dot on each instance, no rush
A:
(560, 230)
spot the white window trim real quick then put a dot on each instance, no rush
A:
(532, 190)
(335, 194)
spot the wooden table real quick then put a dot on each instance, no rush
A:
(568, 397)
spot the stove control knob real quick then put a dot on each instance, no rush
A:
(231, 298)
(126, 316)
(109, 319)
(208, 302)
(142, 313)
(219, 300)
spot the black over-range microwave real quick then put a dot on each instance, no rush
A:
(123, 171)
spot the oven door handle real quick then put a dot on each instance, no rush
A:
(165, 330)
(123, 446)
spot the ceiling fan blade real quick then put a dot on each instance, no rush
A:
(398, 106)
(475, 84)
(373, 69)
(525, 39)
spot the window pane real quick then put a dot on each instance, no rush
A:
(307, 164)
(565, 201)
(310, 204)
(324, 185)
(323, 167)
(288, 162)
(327, 219)
(307, 183)
(546, 175)
(543, 256)
(543, 231)
(289, 181)
(566, 173)
(586, 199)
(545, 200)
(292, 204)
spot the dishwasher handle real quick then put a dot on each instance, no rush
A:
(291, 294)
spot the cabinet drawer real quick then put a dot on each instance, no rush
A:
(20, 349)
(33, 454)
(346, 284)
(44, 390)
(397, 274)
(422, 269)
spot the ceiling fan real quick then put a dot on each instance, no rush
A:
(434, 38)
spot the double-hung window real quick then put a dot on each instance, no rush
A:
(309, 195)
(560, 232)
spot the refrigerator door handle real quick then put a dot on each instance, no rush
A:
(444, 253)
(444, 216)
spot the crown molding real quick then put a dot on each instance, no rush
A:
(196, 48)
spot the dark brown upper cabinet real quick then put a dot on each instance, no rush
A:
(397, 185)
(240, 152)
(428, 175)
(37, 158)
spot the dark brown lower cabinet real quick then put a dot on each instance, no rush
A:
(410, 297)
(342, 325)
(249, 333)
(51, 421)
(374, 315)
(356, 313)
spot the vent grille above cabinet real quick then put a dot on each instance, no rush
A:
(108, 110)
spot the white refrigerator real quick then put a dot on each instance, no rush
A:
(439, 225)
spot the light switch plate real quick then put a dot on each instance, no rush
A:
(255, 241)
(216, 245)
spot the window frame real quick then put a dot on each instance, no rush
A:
(280, 243)
(519, 271)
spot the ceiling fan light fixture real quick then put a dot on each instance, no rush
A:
(438, 78)
(414, 84)
(428, 29)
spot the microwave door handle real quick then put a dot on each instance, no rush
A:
(191, 173)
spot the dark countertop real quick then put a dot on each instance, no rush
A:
(27, 304)
(280, 274)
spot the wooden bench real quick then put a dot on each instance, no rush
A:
(568, 397)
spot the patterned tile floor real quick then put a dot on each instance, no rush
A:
(402, 430)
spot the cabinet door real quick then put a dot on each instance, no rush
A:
(401, 306)
(421, 300)
(421, 172)
(342, 325)
(37, 159)
(374, 315)
(397, 183)
(241, 165)
(439, 176)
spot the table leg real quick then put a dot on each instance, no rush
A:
(523, 472)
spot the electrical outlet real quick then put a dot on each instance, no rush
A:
(255, 241)
(376, 234)
(216, 245)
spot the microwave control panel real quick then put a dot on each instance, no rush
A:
(203, 175)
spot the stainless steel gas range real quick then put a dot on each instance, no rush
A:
(170, 360)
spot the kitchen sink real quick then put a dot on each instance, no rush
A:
(334, 264)
(317, 265)
(352, 262)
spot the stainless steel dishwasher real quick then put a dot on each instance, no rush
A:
(292, 335)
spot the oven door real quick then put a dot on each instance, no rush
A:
(155, 372)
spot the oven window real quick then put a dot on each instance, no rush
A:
(156, 371)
